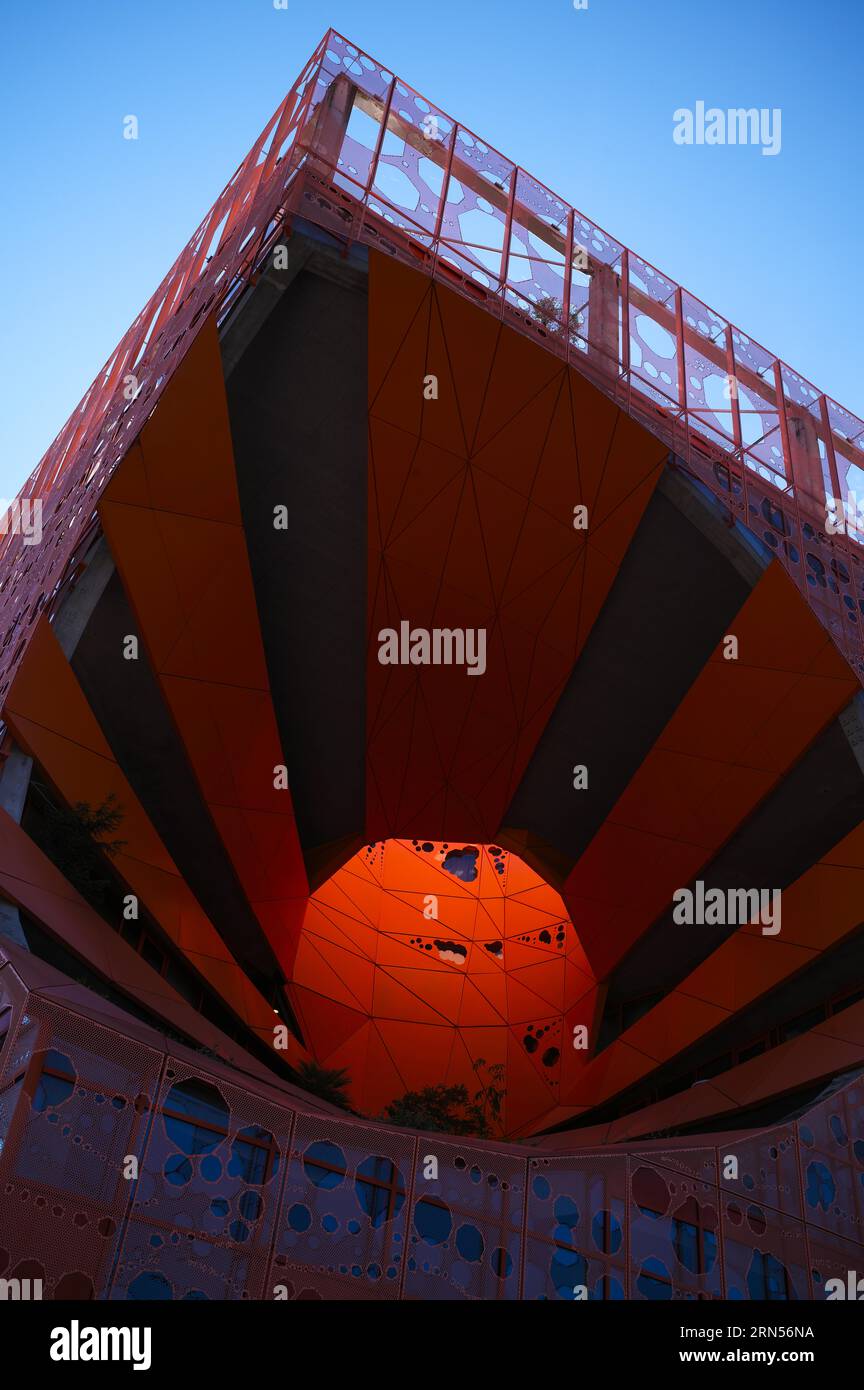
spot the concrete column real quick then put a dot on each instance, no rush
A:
(68, 625)
(74, 613)
(331, 122)
(10, 926)
(807, 463)
(603, 317)
(852, 723)
(14, 782)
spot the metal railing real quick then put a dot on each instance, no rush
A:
(357, 150)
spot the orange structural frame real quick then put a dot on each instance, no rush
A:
(540, 401)
(171, 515)
(738, 730)
(51, 719)
(473, 523)
(419, 960)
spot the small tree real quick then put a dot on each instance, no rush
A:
(437, 1108)
(327, 1083)
(485, 1109)
(548, 311)
(450, 1110)
(74, 839)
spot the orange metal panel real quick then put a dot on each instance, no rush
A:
(432, 986)
(471, 505)
(184, 564)
(742, 724)
(818, 911)
(51, 719)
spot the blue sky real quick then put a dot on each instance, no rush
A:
(584, 100)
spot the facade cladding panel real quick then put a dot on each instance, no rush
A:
(347, 425)
(238, 1197)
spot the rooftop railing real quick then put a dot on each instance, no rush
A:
(357, 150)
(783, 457)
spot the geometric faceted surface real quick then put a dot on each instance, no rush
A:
(171, 516)
(51, 719)
(472, 499)
(419, 958)
(289, 1201)
(393, 384)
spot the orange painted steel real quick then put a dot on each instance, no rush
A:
(51, 719)
(763, 446)
(171, 515)
(821, 909)
(419, 959)
(471, 524)
(736, 733)
(770, 445)
(473, 262)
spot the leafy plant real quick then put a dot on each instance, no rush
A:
(327, 1083)
(485, 1110)
(548, 312)
(437, 1108)
(75, 838)
(450, 1109)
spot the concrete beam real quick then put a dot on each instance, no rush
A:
(10, 926)
(301, 253)
(260, 301)
(14, 782)
(72, 617)
(852, 724)
(603, 315)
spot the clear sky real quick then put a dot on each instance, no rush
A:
(584, 100)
